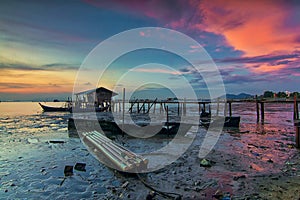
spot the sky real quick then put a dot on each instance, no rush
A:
(254, 44)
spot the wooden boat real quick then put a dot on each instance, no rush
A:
(66, 108)
(229, 121)
(110, 128)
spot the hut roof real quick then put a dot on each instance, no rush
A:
(97, 90)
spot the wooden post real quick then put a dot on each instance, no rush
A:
(167, 110)
(119, 106)
(178, 109)
(257, 109)
(296, 111)
(218, 105)
(230, 109)
(184, 107)
(112, 106)
(225, 109)
(199, 108)
(204, 109)
(262, 112)
(297, 138)
(154, 107)
(138, 107)
(123, 114)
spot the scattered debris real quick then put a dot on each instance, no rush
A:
(32, 140)
(205, 163)
(68, 170)
(125, 184)
(56, 141)
(222, 196)
(80, 167)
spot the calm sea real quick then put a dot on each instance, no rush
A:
(16, 117)
(28, 117)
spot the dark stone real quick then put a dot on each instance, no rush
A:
(178, 198)
(235, 178)
(80, 167)
(56, 141)
(151, 195)
(68, 170)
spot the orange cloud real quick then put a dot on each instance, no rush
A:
(19, 81)
(254, 27)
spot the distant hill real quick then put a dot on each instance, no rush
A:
(239, 96)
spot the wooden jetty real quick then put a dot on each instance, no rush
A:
(179, 106)
(145, 105)
(112, 154)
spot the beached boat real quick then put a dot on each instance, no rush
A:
(66, 108)
(207, 120)
(111, 128)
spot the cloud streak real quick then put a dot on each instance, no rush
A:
(46, 67)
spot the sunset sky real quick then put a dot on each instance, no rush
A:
(255, 44)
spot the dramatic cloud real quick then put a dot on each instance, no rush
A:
(252, 42)
(272, 59)
(256, 28)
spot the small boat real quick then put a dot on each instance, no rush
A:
(111, 128)
(66, 108)
(230, 121)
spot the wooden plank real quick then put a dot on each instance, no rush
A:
(122, 158)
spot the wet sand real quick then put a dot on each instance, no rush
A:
(255, 162)
(262, 165)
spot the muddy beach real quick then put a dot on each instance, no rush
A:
(253, 162)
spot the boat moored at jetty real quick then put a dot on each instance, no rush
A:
(66, 108)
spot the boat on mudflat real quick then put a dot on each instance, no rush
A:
(110, 128)
(65, 108)
(207, 120)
